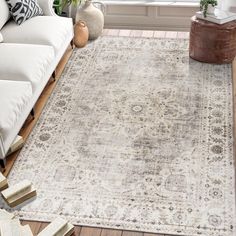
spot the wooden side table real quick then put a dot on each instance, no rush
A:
(212, 43)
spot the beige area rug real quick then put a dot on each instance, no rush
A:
(136, 136)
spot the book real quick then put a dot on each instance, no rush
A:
(3, 182)
(58, 227)
(4, 215)
(16, 194)
(219, 17)
(10, 228)
(16, 145)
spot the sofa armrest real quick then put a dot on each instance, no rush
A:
(47, 7)
(2, 151)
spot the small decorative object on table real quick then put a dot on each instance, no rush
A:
(220, 17)
(208, 12)
(208, 7)
(81, 34)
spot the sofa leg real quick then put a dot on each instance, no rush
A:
(54, 75)
(72, 44)
(3, 163)
(32, 113)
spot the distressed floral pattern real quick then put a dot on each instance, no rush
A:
(136, 136)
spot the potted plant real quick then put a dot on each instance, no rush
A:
(75, 3)
(208, 6)
(59, 5)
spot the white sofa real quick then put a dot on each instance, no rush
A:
(29, 54)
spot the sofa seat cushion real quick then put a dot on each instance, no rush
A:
(14, 98)
(46, 30)
(1, 38)
(23, 62)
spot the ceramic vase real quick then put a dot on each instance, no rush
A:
(93, 17)
(210, 10)
(80, 34)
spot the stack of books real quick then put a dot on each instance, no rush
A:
(16, 145)
(3, 182)
(219, 17)
(14, 227)
(18, 193)
(4, 215)
(10, 226)
(58, 227)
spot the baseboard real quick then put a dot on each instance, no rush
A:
(146, 27)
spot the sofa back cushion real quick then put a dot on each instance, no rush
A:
(4, 13)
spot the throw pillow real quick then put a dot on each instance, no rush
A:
(1, 38)
(22, 10)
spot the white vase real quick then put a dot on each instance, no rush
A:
(211, 10)
(93, 17)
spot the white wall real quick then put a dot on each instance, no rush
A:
(227, 4)
(145, 17)
(232, 2)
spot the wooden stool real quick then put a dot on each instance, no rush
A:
(212, 43)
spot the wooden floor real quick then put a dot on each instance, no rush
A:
(36, 227)
(82, 230)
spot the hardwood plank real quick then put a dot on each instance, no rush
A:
(35, 226)
(148, 34)
(77, 231)
(88, 231)
(43, 226)
(159, 34)
(148, 234)
(125, 33)
(171, 34)
(61, 65)
(130, 233)
(111, 232)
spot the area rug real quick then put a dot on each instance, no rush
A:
(138, 137)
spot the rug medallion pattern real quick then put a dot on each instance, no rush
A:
(136, 136)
